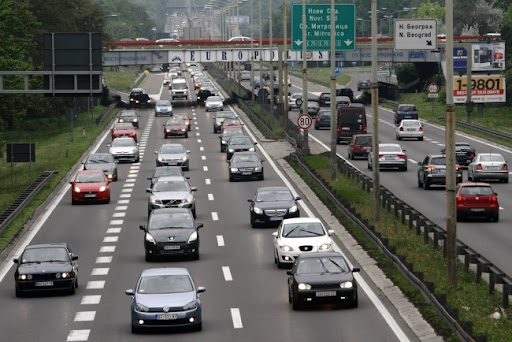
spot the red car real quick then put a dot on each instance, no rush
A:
(184, 117)
(477, 200)
(175, 127)
(90, 186)
(231, 123)
(124, 129)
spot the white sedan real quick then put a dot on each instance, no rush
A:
(409, 128)
(214, 103)
(297, 236)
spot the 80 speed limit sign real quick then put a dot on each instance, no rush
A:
(304, 121)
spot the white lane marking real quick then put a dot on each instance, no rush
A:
(121, 207)
(90, 300)
(227, 273)
(125, 195)
(110, 238)
(127, 190)
(201, 148)
(210, 197)
(104, 260)
(205, 168)
(215, 217)
(220, 240)
(116, 222)
(199, 141)
(113, 230)
(121, 214)
(237, 319)
(128, 185)
(79, 335)
(134, 171)
(85, 316)
(197, 134)
(107, 249)
(100, 271)
(203, 157)
(412, 161)
(123, 201)
(95, 284)
(207, 181)
(131, 180)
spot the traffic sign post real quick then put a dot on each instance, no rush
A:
(433, 92)
(304, 121)
(318, 27)
(417, 34)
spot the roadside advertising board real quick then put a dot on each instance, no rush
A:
(485, 89)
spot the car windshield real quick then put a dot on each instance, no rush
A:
(438, 161)
(231, 132)
(476, 190)
(491, 158)
(240, 141)
(123, 126)
(45, 254)
(389, 148)
(181, 116)
(163, 103)
(171, 220)
(299, 230)
(123, 142)
(172, 149)
(100, 158)
(274, 196)
(128, 115)
(214, 99)
(175, 122)
(90, 178)
(322, 265)
(168, 172)
(462, 147)
(230, 122)
(164, 186)
(244, 158)
(165, 284)
(226, 115)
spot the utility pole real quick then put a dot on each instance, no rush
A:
(285, 65)
(271, 58)
(305, 135)
(334, 164)
(375, 109)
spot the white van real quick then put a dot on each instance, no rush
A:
(179, 88)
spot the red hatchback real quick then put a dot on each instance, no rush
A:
(231, 123)
(477, 200)
(90, 186)
(184, 117)
(175, 127)
(124, 129)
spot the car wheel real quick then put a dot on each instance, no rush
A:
(496, 217)
(279, 263)
(397, 137)
(76, 282)
(505, 180)
(231, 178)
(426, 184)
(459, 218)
(186, 135)
(262, 177)
(72, 290)
(354, 303)
(108, 200)
(189, 128)
(290, 296)
(73, 202)
(253, 223)
(316, 127)
(194, 212)
(369, 166)
(470, 177)
(404, 168)
(186, 168)
(295, 303)
(420, 184)
(149, 257)
(420, 139)
(198, 327)
(115, 176)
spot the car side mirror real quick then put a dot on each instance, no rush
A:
(142, 227)
(148, 189)
(419, 163)
(194, 188)
(356, 269)
(74, 257)
(201, 289)
(213, 117)
(298, 198)
(83, 162)
(330, 231)
(289, 272)
(255, 143)
(70, 182)
(109, 180)
(262, 160)
(199, 225)
(188, 151)
(129, 292)
(274, 234)
(496, 194)
(156, 152)
(404, 150)
(150, 178)
(250, 200)
(109, 145)
(16, 260)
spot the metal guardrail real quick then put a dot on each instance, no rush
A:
(483, 129)
(26, 196)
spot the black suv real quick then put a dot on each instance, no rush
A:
(405, 111)
(324, 99)
(464, 153)
(139, 98)
(343, 91)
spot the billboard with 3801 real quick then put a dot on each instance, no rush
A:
(484, 88)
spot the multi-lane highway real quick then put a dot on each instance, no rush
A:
(246, 297)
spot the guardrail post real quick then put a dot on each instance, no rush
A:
(482, 266)
(429, 227)
(507, 289)
(495, 277)
(413, 216)
(470, 258)
(419, 224)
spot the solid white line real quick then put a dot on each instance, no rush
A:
(237, 319)
(227, 273)
(215, 217)
(220, 240)
(210, 197)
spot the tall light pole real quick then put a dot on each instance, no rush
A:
(252, 51)
(285, 64)
(375, 109)
(334, 164)
(305, 134)
(271, 58)
(261, 56)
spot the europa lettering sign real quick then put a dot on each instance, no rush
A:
(417, 34)
(484, 88)
(318, 27)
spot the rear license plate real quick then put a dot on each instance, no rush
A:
(246, 173)
(493, 168)
(389, 157)
(44, 283)
(326, 294)
(166, 317)
(410, 129)
(89, 195)
(477, 210)
(345, 128)
(276, 218)
(169, 248)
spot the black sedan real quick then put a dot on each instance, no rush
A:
(319, 278)
(102, 161)
(239, 143)
(464, 153)
(245, 165)
(46, 267)
(272, 205)
(171, 232)
(323, 119)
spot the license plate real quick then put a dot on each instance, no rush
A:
(493, 168)
(345, 128)
(246, 173)
(168, 248)
(276, 218)
(166, 317)
(44, 283)
(89, 195)
(326, 294)
(389, 157)
(477, 210)
(410, 129)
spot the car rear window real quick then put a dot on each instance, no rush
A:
(476, 190)
(411, 123)
(389, 148)
(407, 108)
(438, 161)
(363, 141)
(462, 147)
(491, 157)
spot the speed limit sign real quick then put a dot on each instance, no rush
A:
(304, 121)
(433, 90)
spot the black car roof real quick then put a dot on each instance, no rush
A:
(48, 245)
(320, 255)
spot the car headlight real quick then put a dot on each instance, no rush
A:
(135, 120)
(167, 130)
(224, 142)
(258, 210)
(103, 188)
(293, 209)
(234, 169)
(183, 129)
(184, 158)
(346, 285)
(160, 159)
(154, 200)
(150, 238)
(188, 199)
(192, 238)
(231, 150)
(304, 286)
(251, 149)
(140, 307)
(286, 248)
(191, 305)
(76, 189)
(121, 120)
(24, 276)
(64, 275)
(325, 247)
(258, 168)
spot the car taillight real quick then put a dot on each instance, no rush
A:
(458, 198)
(458, 167)
(421, 129)
(380, 155)
(318, 120)
(472, 154)
(505, 167)
(401, 156)
(494, 199)
(401, 129)
(430, 168)
(479, 167)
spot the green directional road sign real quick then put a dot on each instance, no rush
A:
(318, 23)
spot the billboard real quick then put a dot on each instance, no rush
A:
(485, 56)
(484, 88)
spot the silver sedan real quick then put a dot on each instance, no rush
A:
(390, 156)
(488, 166)
(214, 103)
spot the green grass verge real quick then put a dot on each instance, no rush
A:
(123, 78)
(273, 122)
(321, 74)
(471, 299)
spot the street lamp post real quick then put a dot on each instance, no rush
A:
(252, 51)
(271, 58)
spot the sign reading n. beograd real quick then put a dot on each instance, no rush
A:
(484, 89)
(419, 34)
